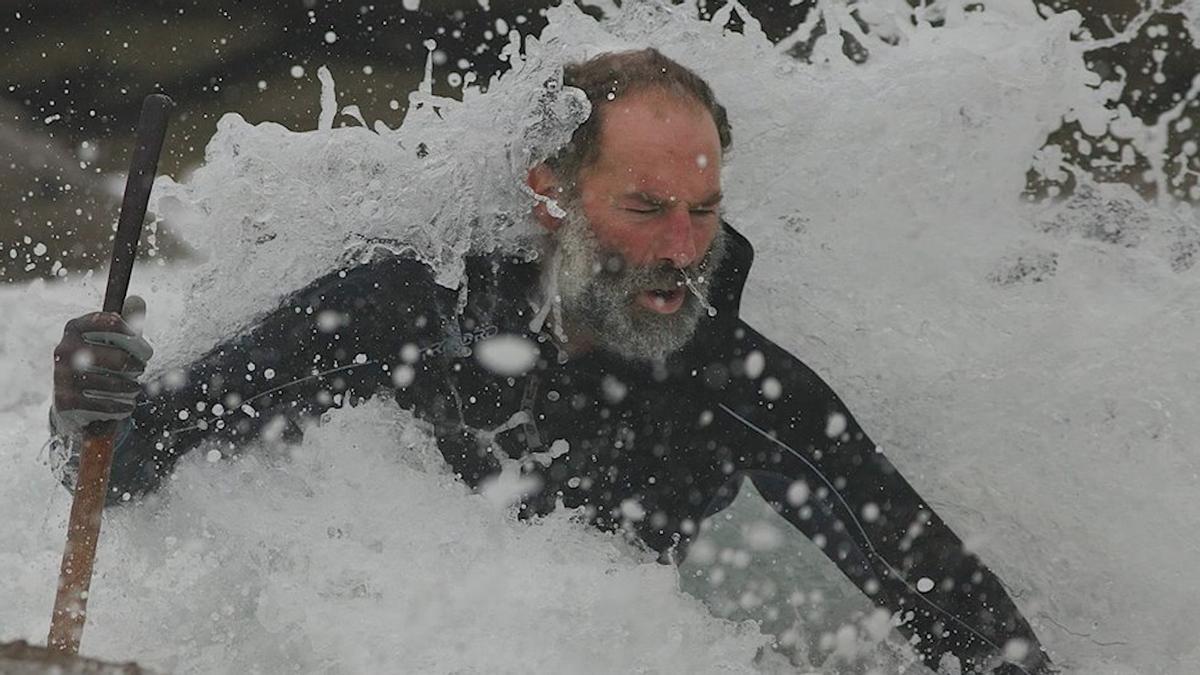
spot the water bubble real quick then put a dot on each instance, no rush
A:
(330, 320)
(1015, 650)
(835, 425)
(402, 376)
(510, 355)
(755, 363)
(631, 509)
(870, 512)
(692, 286)
(798, 493)
(614, 389)
(771, 389)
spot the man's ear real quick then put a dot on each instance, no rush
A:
(541, 180)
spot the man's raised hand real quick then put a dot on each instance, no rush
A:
(96, 366)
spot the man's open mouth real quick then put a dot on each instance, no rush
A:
(661, 300)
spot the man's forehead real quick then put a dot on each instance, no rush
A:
(653, 115)
(658, 186)
(665, 182)
(660, 146)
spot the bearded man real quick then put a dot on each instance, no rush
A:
(644, 401)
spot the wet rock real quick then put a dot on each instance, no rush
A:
(22, 658)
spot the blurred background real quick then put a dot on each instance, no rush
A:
(73, 74)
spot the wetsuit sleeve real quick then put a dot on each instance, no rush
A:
(810, 458)
(347, 336)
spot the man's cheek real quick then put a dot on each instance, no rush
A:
(706, 236)
(627, 243)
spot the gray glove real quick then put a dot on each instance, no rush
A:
(96, 366)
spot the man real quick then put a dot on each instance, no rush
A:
(644, 400)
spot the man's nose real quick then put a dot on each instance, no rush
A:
(678, 242)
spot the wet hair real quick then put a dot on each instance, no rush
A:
(608, 76)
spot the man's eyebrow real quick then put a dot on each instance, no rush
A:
(648, 198)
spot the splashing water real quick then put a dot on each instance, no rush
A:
(1027, 366)
(692, 286)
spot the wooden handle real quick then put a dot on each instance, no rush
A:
(91, 486)
(83, 533)
(143, 165)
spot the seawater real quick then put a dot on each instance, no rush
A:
(1028, 366)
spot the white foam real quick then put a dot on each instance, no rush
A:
(1030, 369)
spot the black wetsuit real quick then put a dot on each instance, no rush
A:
(655, 450)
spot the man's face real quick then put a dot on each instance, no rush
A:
(643, 222)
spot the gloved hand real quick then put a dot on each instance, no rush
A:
(96, 366)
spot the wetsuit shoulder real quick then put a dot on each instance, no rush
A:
(339, 339)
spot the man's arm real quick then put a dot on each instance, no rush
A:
(887, 539)
(347, 334)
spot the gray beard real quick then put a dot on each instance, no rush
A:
(598, 292)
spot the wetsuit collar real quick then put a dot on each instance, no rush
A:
(726, 292)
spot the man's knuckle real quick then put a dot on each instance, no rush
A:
(114, 322)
